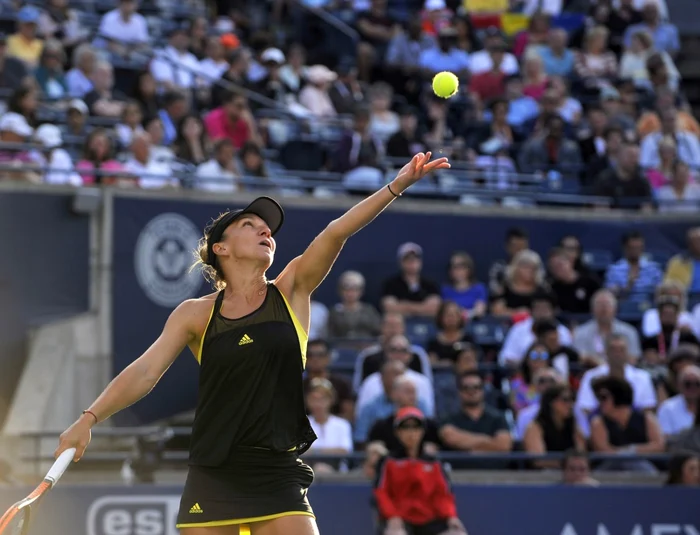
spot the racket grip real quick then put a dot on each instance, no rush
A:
(60, 466)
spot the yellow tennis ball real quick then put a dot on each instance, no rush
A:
(445, 84)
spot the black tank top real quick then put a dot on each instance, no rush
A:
(556, 439)
(634, 433)
(250, 384)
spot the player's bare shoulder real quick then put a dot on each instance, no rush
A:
(195, 313)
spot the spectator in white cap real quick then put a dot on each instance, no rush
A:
(15, 129)
(272, 85)
(24, 45)
(56, 161)
(314, 97)
(76, 127)
(435, 16)
(408, 292)
(174, 67)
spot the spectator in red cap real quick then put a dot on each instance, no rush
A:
(412, 491)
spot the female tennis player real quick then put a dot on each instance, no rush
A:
(249, 338)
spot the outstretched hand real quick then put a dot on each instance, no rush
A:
(419, 166)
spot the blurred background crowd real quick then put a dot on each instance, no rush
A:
(561, 102)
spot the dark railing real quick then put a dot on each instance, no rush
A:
(176, 457)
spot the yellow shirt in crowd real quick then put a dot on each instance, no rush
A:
(26, 51)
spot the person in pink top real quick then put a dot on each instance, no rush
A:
(535, 80)
(661, 175)
(98, 156)
(232, 121)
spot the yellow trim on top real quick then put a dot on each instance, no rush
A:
(252, 520)
(204, 334)
(301, 332)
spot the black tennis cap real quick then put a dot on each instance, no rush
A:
(266, 208)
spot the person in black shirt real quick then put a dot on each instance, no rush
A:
(408, 293)
(376, 28)
(620, 428)
(450, 337)
(12, 70)
(407, 140)
(476, 427)
(554, 427)
(104, 100)
(250, 339)
(625, 184)
(573, 290)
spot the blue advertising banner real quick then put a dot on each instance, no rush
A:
(153, 241)
(344, 510)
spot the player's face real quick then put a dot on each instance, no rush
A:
(248, 238)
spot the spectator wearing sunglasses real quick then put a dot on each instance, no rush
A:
(476, 427)
(622, 429)
(447, 400)
(554, 428)
(543, 379)
(677, 414)
(523, 389)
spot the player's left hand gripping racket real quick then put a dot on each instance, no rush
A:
(16, 520)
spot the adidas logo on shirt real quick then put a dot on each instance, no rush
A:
(245, 340)
(196, 509)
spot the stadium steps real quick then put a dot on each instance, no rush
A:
(63, 374)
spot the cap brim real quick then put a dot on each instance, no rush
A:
(399, 422)
(267, 209)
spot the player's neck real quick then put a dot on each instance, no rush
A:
(246, 285)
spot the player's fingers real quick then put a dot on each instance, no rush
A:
(440, 163)
(427, 157)
(79, 451)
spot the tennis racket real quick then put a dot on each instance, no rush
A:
(16, 520)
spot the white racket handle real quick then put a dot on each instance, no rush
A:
(60, 466)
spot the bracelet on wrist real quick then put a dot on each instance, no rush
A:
(396, 196)
(91, 414)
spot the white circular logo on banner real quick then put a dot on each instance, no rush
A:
(163, 258)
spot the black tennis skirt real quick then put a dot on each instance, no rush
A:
(257, 485)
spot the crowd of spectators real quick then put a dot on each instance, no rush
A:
(582, 97)
(570, 370)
